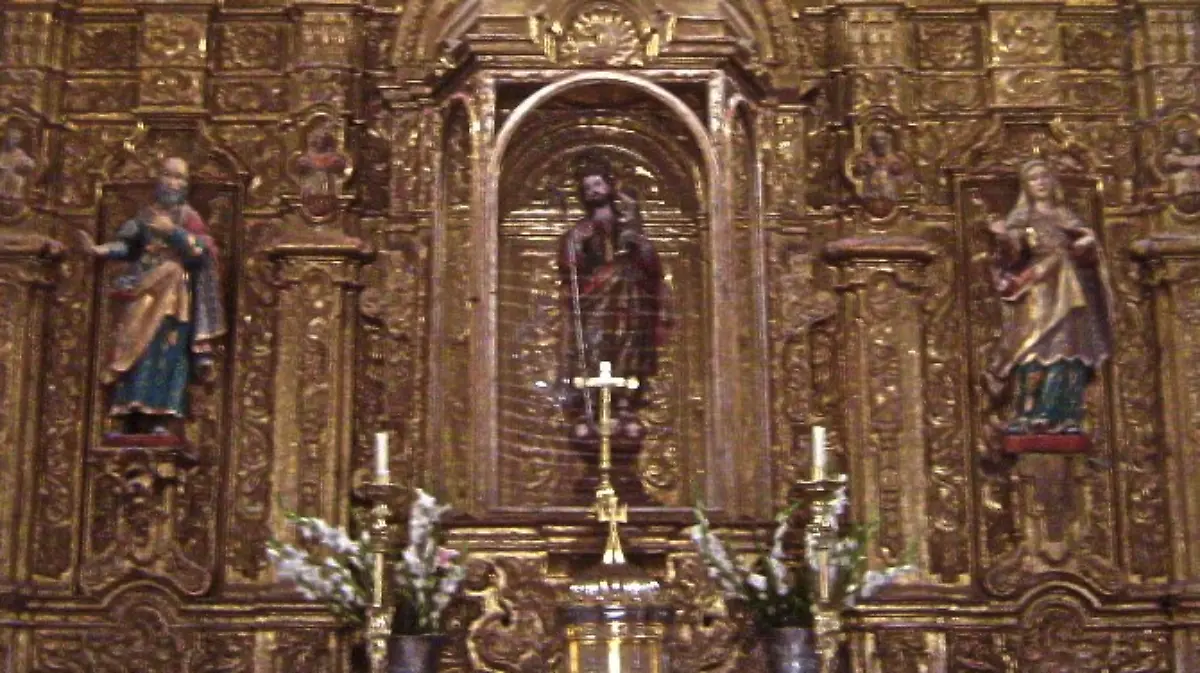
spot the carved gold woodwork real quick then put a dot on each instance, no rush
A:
(881, 281)
(1172, 275)
(317, 280)
(27, 276)
(422, 298)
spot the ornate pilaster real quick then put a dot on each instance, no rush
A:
(26, 273)
(397, 286)
(743, 184)
(318, 285)
(881, 282)
(1174, 276)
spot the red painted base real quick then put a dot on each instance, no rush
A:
(1059, 444)
(146, 440)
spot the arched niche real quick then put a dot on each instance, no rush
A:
(652, 155)
(659, 147)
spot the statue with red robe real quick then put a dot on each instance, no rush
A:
(612, 277)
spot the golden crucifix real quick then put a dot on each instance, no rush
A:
(608, 508)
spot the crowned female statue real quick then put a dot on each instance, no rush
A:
(1056, 307)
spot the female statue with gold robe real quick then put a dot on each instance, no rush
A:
(1056, 307)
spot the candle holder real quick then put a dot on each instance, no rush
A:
(821, 537)
(379, 623)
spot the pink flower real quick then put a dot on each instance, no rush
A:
(446, 557)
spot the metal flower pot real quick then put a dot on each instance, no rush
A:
(414, 654)
(792, 650)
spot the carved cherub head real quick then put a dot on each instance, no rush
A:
(322, 139)
(13, 134)
(880, 142)
(1186, 140)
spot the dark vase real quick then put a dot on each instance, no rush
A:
(414, 654)
(792, 650)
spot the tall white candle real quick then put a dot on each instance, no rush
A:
(818, 452)
(381, 456)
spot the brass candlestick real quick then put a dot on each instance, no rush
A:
(379, 623)
(821, 535)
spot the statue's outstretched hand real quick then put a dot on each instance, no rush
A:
(88, 243)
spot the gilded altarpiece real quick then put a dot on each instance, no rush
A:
(387, 183)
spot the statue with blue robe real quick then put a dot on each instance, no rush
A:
(172, 310)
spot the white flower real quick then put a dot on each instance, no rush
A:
(757, 582)
(779, 575)
(424, 515)
(873, 581)
(721, 568)
(841, 501)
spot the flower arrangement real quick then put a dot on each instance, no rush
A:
(332, 568)
(780, 595)
(329, 566)
(428, 575)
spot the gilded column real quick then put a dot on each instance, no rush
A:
(318, 284)
(1174, 264)
(744, 188)
(26, 274)
(881, 283)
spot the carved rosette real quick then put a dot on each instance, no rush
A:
(602, 34)
(881, 282)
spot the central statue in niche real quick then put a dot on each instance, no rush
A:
(612, 280)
